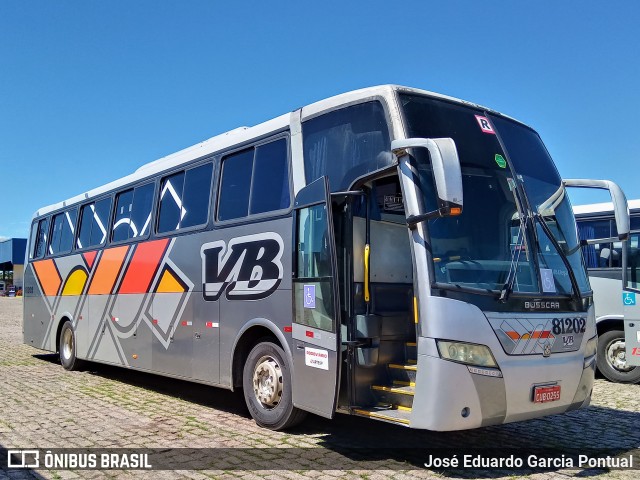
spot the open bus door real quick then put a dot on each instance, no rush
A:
(631, 299)
(316, 325)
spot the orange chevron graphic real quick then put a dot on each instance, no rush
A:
(170, 284)
(142, 266)
(90, 257)
(107, 270)
(48, 276)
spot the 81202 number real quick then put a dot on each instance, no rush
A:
(568, 325)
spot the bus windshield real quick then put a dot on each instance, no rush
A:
(505, 234)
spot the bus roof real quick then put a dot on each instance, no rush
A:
(602, 208)
(241, 135)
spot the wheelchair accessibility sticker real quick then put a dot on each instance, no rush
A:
(309, 296)
(628, 298)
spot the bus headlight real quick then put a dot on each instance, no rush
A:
(468, 353)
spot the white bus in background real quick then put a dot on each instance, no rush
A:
(604, 262)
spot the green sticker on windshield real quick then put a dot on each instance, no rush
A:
(502, 163)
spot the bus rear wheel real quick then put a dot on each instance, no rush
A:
(612, 361)
(266, 382)
(67, 348)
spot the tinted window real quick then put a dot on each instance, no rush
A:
(346, 144)
(56, 230)
(124, 204)
(43, 235)
(633, 262)
(313, 285)
(141, 213)
(32, 239)
(170, 202)
(235, 185)
(94, 221)
(596, 255)
(197, 195)
(133, 213)
(255, 181)
(62, 232)
(185, 198)
(270, 190)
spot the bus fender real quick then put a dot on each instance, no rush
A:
(63, 317)
(269, 325)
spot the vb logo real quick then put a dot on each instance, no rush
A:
(248, 268)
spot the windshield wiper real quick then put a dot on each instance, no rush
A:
(507, 288)
(574, 282)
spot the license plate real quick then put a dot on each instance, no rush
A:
(546, 394)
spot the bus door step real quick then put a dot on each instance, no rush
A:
(397, 415)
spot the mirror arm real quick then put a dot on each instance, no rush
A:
(620, 206)
(348, 193)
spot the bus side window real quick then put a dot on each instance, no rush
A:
(598, 255)
(62, 233)
(122, 220)
(32, 239)
(133, 213)
(41, 241)
(93, 220)
(270, 188)
(633, 261)
(346, 144)
(185, 198)
(255, 181)
(616, 250)
(235, 185)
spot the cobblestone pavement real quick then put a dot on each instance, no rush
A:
(43, 406)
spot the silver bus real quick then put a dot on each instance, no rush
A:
(324, 262)
(604, 261)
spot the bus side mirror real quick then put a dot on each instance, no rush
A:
(447, 174)
(620, 207)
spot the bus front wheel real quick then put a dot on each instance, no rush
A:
(612, 361)
(266, 382)
(67, 348)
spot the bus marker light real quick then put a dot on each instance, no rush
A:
(309, 333)
(115, 319)
(186, 323)
(155, 321)
(455, 211)
(135, 356)
(288, 329)
(212, 324)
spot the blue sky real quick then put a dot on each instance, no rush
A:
(90, 90)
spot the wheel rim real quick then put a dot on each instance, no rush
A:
(67, 344)
(267, 382)
(617, 356)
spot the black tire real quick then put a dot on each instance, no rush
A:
(67, 348)
(609, 343)
(274, 410)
